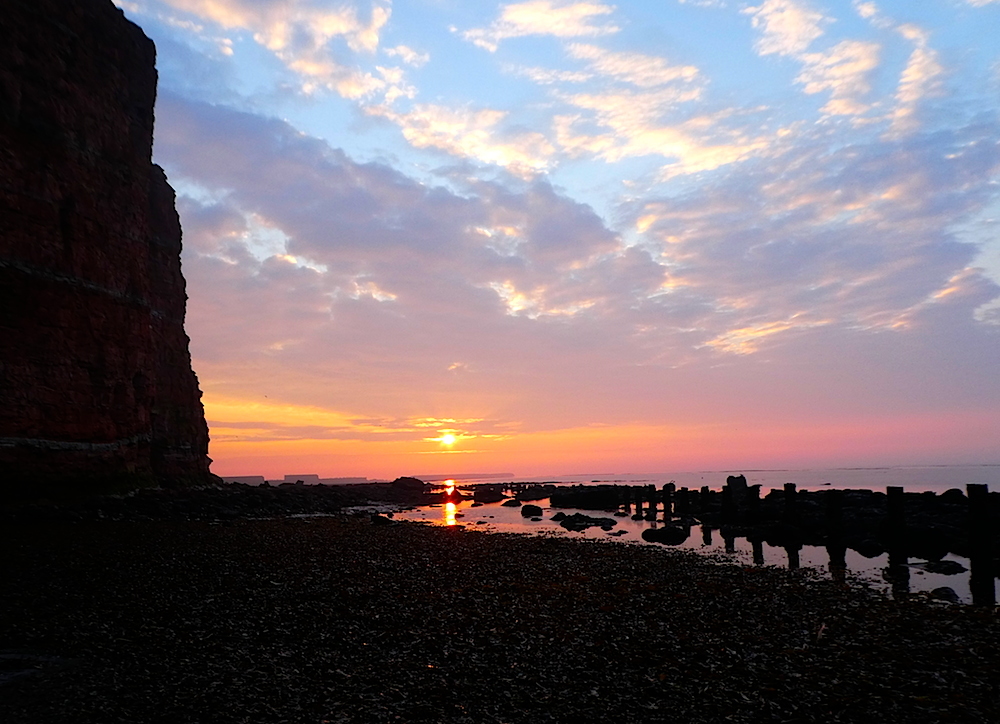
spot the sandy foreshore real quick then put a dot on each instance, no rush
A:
(340, 619)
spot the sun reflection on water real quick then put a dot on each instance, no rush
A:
(450, 509)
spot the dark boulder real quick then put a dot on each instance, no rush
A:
(947, 568)
(487, 494)
(670, 535)
(405, 483)
(512, 503)
(579, 522)
(531, 511)
(944, 593)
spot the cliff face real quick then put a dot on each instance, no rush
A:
(95, 376)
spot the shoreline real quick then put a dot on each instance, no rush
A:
(354, 618)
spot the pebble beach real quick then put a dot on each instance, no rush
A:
(356, 618)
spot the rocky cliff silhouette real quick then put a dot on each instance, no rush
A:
(96, 385)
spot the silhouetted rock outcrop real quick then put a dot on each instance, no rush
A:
(96, 384)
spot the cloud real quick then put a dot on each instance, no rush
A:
(789, 27)
(543, 17)
(471, 134)
(866, 10)
(843, 71)
(549, 76)
(644, 71)
(408, 55)
(300, 33)
(859, 237)
(635, 124)
(920, 79)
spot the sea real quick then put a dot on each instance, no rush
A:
(871, 572)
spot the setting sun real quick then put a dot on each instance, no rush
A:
(448, 439)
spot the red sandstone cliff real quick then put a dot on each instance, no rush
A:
(95, 376)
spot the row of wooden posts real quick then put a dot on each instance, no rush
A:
(682, 502)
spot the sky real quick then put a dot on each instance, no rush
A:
(550, 237)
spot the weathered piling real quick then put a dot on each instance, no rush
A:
(730, 541)
(639, 497)
(651, 497)
(668, 501)
(792, 550)
(790, 509)
(835, 547)
(728, 505)
(683, 502)
(753, 504)
(898, 572)
(981, 582)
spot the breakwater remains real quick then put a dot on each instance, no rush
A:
(916, 531)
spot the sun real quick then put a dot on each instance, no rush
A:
(448, 439)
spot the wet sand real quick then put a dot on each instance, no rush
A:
(344, 620)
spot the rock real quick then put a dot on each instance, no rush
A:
(411, 484)
(536, 492)
(670, 535)
(868, 548)
(944, 593)
(93, 300)
(487, 494)
(511, 503)
(558, 516)
(954, 496)
(531, 511)
(579, 521)
(947, 568)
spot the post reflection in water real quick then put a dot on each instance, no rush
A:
(838, 562)
(450, 510)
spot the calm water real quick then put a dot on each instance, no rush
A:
(494, 517)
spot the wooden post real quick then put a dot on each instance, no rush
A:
(792, 549)
(790, 512)
(626, 495)
(835, 547)
(980, 549)
(898, 571)
(704, 499)
(730, 543)
(758, 551)
(651, 497)
(637, 495)
(668, 502)
(753, 503)
(706, 535)
(683, 502)
(728, 512)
